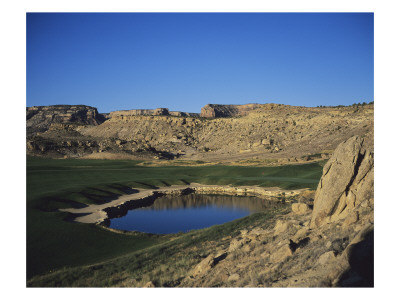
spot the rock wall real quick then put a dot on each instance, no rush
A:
(141, 112)
(219, 110)
(183, 114)
(347, 182)
(150, 112)
(39, 118)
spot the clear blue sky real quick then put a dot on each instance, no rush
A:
(184, 61)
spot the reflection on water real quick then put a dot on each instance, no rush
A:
(172, 214)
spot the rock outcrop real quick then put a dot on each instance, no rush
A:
(347, 182)
(40, 118)
(345, 196)
(227, 111)
(271, 134)
(141, 112)
(332, 246)
(151, 112)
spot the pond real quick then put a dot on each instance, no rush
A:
(173, 214)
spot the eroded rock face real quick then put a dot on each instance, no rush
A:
(219, 110)
(141, 112)
(347, 182)
(40, 118)
(150, 112)
(271, 134)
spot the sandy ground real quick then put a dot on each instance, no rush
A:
(95, 213)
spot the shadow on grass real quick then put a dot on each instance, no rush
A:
(49, 204)
(71, 217)
(84, 198)
(146, 185)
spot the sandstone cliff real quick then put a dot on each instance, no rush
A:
(40, 118)
(150, 112)
(141, 112)
(220, 110)
(270, 133)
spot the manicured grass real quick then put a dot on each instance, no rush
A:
(54, 243)
(165, 263)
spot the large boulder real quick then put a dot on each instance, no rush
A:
(300, 208)
(347, 182)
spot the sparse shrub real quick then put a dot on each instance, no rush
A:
(255, 278)
(306, 197)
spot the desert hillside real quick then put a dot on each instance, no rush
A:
(231, 133)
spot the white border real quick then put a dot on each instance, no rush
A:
(12, 24)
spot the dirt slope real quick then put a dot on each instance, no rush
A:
(271, 132)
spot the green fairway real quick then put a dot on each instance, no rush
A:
(164, 263)
(53, 243)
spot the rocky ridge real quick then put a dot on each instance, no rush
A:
(270, 132)
(151, 112)
(227, 111)
(40, 118)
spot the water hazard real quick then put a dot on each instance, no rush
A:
(172, 214)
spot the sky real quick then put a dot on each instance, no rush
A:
(183, 61)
